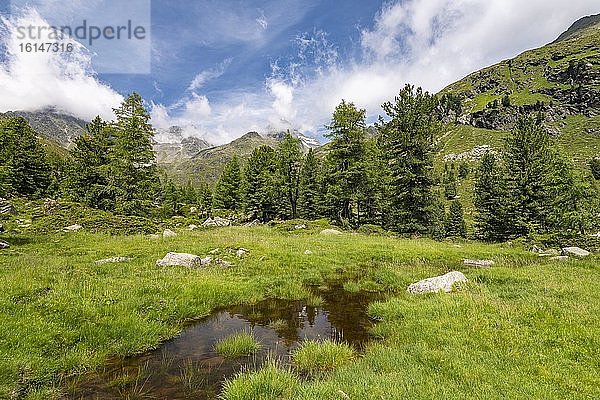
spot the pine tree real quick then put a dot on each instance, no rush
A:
(134, 176)
(455, 223)
(309, 199)
(345, 170)
(491, 200)
(407, 144)
(260, 184)
(289, 165)
(450, 184)
(228, 191)
(24, 166)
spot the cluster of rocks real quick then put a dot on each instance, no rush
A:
(216, 221)
(561, 255)
(6, 208)
(475, 154)
(173, 259)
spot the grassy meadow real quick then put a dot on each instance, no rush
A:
(526, 328)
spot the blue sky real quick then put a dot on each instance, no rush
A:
(223, 68)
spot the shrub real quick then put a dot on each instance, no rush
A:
(270, 383)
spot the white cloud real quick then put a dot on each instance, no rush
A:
(204, 76)
(37, 80)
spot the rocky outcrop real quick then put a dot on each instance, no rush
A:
(182, 260)
(444, 283)
(575, 252)
(216, 221)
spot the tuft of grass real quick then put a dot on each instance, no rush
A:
(270, 383)
(238, 345)
(316, 357)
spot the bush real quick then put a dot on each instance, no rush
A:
(241, 344)
(595, 167)
(370, 229)
(315, 357)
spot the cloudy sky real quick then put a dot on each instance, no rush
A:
(227, 67)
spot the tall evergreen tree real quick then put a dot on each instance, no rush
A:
(260, 184)
(310, 191)
(491, 200)
(228, 191)
(289, 165)
(24, 166)
(134, 175)
(407, 140)
(455, 222)
(345, 173)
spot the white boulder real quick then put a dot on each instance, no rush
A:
(181, 259)
(575, 252)
(438, 283)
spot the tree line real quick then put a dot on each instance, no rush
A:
(385, 179)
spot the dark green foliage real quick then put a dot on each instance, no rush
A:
(595, 167)
(171, 197)
(505, 101)
(491, 200)
(450, 184)
(407, 145)
(310, 191)
(133, 176)
(449, 103)
(437, 217)
(289, 166)
(463, 170)
(228, 191)
(455, 223)
(260, 184)
(345, 174)
(24, 168)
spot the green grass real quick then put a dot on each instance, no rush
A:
(527, 328)
(238, 345)
(270, 383)
(316, 357)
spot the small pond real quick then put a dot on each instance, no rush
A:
(188, 367)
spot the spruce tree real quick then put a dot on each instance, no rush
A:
(345, 168)
(228, 191)
(134, 175)
(260, 189)
(24, 166)
(408, 147)
(455, 223)
(309, 199)
(289, 165)
(450, 184)
(490, 200)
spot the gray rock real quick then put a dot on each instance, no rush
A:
(224, 263)
(479, 263)
(4, 245)
(300, 226)
(241, 252)
(169, 233)
(254, 223)
(439, 283)
(180, 259)
(193, 210)
(214, 251)
(72, 228)
(560, 258)
(330, 232)
(575, 252)
(193, 227)
(308, 252)
(6, 208)
(113, 260)
(206, 260)
(536, 249)
(216, 221)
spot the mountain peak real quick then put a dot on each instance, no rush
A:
(578, 27)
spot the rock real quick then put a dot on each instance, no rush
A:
(560, 258)
(224, 263)
(216, 221)
(169, 233)
(50, 206)
(72, 228)
(206, 260)
(301, 226)
(4, 245)
(575, 251)
(180, 259)
(6, 208)
(214, 251)
(308, 252)
(536, 249)
(252, 224)
(479, 263)
(113, 260)
(193, 210)
(241, 252)
(193, 227)
(438, 283)
(330, 232)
